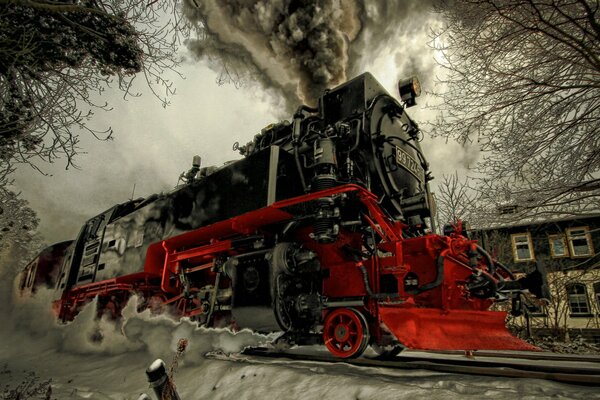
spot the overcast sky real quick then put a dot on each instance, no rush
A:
(152, 145)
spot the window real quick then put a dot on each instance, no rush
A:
(580, 242)
(558, 246)
(522, 247)
(578, 300)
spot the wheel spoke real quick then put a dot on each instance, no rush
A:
(345, 332)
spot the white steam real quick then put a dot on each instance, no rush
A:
(31, 326)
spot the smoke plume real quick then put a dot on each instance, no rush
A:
(297, 47)
(300, 48)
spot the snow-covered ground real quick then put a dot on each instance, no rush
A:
(114, 368)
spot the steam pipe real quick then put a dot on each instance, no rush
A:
(489, 259)
(357, 141)
(508, 271)
(299, 166)
(439, 275)
(368, 286)
(298, 116)
(309, 109)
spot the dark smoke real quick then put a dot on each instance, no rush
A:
(300, 48)
(297, 47)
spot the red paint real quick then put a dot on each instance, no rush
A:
(345, 333)
(444, 317)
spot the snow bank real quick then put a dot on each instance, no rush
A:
(102, 360)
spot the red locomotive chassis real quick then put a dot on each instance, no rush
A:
(322, 230)
(445, 317)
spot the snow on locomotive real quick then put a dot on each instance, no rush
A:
(319, 231)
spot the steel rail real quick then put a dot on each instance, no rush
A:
(529, 355)
(566, 373)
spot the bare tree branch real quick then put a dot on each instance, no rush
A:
(58, 57)
(523, 82)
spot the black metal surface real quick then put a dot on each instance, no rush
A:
(252, 301)
(252, 282)
(160, 381)
(566, 373)
(350, 98)
(115, 242)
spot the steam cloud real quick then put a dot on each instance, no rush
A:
(298, 48)
(29, 324)
(29, 327)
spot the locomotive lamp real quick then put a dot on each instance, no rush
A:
(409, 90)
(188, 177)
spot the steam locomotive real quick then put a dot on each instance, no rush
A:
(322, 230)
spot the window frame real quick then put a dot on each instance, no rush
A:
(529, 245)
(583, 295)
(588, 238)
(557, 236)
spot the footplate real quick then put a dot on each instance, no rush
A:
(433, 329)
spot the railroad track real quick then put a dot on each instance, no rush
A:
(525, 355)
(561, 368)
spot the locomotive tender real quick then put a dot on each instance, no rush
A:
(319, 231)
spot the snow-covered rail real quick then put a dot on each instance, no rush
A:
(583, 370)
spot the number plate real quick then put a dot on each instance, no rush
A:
(406, 161)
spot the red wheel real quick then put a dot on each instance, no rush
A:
(346, 333)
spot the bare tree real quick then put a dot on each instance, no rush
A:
(19, 243)
(522, 80)
(57, 57)
(455, 199)
(17, 220)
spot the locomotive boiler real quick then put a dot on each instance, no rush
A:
(322, 230)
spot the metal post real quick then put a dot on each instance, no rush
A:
(160, 381)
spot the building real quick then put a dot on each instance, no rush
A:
(568, 250)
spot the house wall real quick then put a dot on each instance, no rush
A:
(498, 242)
(555, 316)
